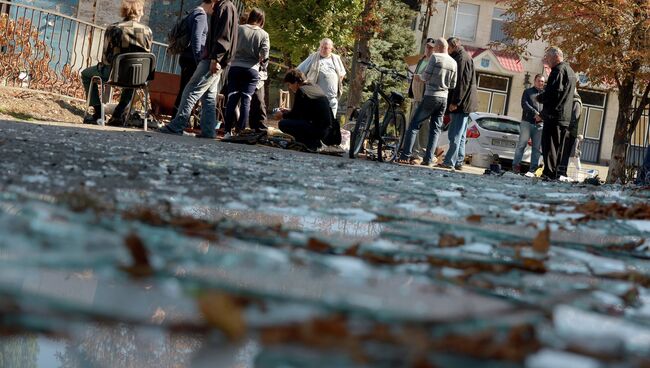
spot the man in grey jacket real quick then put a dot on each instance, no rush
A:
(440, 77)
(204, 85)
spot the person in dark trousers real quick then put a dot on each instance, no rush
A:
(643, 175)
(531, 126)
(569, 148)
(126, 36)
(197, 26)
(311, 118)
(253, 47)
(205, 83)
(462, 101)
(257, 115)
(558, 108)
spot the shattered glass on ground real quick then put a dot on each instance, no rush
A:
(131, 249)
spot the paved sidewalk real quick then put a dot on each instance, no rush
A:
(176, 251)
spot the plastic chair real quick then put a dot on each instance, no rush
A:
(131, 70)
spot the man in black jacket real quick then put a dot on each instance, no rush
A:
(311, 119)
(462, 101)
(558, 108)
(205, 83)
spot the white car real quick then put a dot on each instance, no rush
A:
(489, 134)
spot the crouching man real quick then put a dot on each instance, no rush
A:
(310, 121)
(129, 35)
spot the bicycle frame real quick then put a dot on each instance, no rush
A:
(363, 129)
(390, 111)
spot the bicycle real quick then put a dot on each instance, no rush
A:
(388, 137)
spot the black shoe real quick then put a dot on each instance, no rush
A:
(166, 130)
(458, 167)
(426, 163)
(92, 120)
(116, 122)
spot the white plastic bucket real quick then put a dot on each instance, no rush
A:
(481, 160)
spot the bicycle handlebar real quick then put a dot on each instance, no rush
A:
(383, 70)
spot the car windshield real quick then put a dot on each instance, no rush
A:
(499, 125)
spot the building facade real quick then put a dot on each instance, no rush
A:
(502, 78)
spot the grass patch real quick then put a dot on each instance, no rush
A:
(18, 115)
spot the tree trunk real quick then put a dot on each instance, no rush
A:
(365, 31)
(358, 79)
(622, 134)
(619, 151)
(427, 21)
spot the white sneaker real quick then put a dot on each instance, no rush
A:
(564, 179)
(227, 136)
(530, 174)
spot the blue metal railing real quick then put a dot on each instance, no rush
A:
(45, 50)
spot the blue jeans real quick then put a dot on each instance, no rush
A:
(432, 108)
(528, 131)
(457, 137)
(204, 86)
(242, 83)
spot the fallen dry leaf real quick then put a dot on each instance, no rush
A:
(448, 241)
(224, 313)
(542, 242)
(474, 218)
(601, 211)
(317, 245)
(141, 266)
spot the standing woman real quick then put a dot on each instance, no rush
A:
(252, 49)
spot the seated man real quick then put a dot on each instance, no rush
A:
(122, 37)
(310, 120)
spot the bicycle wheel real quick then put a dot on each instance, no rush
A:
(361, 128)
(392, 134)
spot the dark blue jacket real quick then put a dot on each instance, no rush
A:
(197, 26)
(529, 105)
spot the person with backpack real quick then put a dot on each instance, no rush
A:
(187, 39)
(253, 48)
(204, 85)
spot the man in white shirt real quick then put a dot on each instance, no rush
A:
(325, 69)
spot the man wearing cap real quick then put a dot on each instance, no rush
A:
(440, 78)
(416, 92)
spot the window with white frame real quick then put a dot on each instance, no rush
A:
(593, 113)
(498, 20)
(493, 91)
(466, 21)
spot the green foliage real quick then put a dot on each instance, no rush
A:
(296, 26)
(19, 352)
(392, 43)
